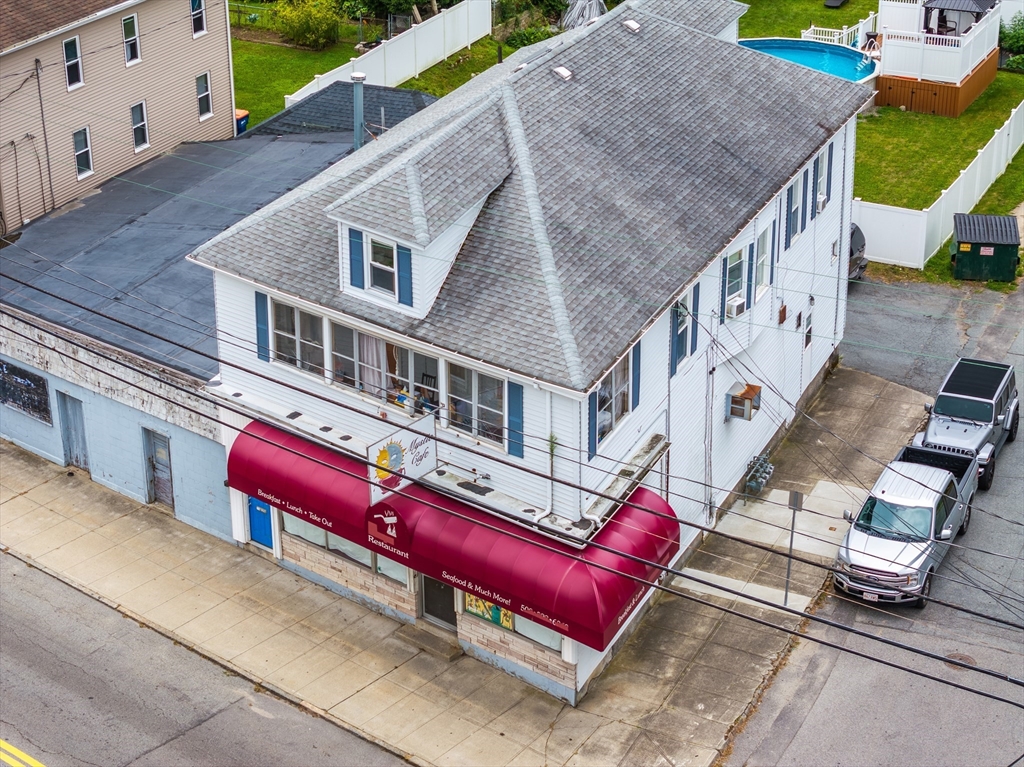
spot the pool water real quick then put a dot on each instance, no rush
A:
(837, 60)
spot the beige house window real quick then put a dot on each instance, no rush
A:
(198, 17)
(83, 153)
(140, 128)
(203, 95)
(73, 63)
(130, 34)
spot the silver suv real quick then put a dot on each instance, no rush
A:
(975, 413)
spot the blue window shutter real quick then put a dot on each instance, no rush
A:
(515, 419)
(750, 275)
(404, 275)
(262, 328)
(355, 258)
(803, 202)
(771, 259)
(814, 191)
(674, 344)
(789, 207)
(592, 441)
(725, 286)
(828, 174)
(694, 307)
(636, 376)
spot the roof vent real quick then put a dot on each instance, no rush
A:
(521, 66)
(562, 72)
(631, 25)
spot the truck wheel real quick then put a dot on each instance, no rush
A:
(926, 590)
(985, 481)
(967, 518)
(1013, 428)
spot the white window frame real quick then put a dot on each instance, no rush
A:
(208, 95)
(371, 265)
(410, 392)
(87, 151)
(618, 382)
(77, 62)
(681, 342)
(473, 422)
(808, 330)
(144, 124)
(793, 214)
(530, 630)
(198, 11)
(130, 41)
(821, 168)
(296, 360)
(306, 531)
(762, 266)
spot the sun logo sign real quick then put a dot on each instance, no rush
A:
(390, 468)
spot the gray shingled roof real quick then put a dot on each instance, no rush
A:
(330, 110)
(625, 181)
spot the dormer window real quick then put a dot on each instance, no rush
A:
(382, 266)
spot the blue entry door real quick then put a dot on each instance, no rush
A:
(259, 523)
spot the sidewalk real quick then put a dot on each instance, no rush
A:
(669, 697)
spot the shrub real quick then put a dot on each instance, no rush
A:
(311, 23)
(523, 37)
(1015, 63)
(1011, 36)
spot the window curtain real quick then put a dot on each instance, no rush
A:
(371, 365)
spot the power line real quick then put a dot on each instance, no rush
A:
(616, 500)
(647, 563)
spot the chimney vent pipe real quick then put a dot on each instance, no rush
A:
(358, 123)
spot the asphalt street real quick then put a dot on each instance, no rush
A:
(827, 707)
(83, 685)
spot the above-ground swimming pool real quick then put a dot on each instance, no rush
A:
(838, 60)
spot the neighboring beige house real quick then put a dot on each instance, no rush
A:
(90, 88)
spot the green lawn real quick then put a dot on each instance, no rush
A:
(906, 159)
(445, 76)
(264, 74)
(788, 18)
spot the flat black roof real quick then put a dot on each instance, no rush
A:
(975, 378)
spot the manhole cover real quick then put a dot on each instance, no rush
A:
(962, 658)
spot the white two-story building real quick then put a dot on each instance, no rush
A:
(487, 371)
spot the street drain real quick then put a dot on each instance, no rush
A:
(962, 658)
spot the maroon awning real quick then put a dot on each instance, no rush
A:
(497, 560)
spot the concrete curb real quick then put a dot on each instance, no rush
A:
(225, 664)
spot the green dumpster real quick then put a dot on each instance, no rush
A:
(985, 247)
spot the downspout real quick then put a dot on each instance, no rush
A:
(552, 443)
(844, 236)
(231, 71)
(46, 142)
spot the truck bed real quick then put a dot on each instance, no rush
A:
(957, 465)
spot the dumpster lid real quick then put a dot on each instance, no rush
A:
(988, 230)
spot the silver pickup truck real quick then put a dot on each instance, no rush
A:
(899, 536)
(976, 412)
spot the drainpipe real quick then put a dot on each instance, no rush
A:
(358, 125)
(46, 143)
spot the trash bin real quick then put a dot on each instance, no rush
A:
(241, 120)
(985, 247)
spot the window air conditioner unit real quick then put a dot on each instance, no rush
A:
(742, 401)
(735, 306)
(822, 199)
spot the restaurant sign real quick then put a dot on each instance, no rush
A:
(401, 457)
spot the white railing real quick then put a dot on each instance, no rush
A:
(941, 58)
(406, 55)
(910, 237)
(848, 36)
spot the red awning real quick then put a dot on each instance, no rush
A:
(528, 573)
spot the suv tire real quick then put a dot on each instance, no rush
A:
(1013, 427)
(987, 475)
(926, 590)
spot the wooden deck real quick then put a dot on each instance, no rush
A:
(935, 98)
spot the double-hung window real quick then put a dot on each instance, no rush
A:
(298, 338)
(130, 34)
(613, 397)
(382, 266)
(681, 340)
(198, 17)
(476, 403)
(793, 212)
(807, 332)
(761, 267)
(384, 370)
(83, 153)
(203, 95)
(820, 198)
(734, 302)
(72, 63)
(140, 129)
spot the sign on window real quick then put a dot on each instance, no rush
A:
(481, 608)
(25, 391)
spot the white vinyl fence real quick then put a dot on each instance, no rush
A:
(849, 36)
(945, 58)
(910, 237)
(406, 55)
